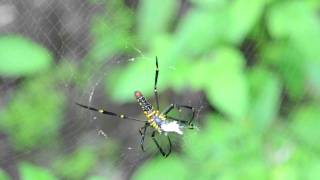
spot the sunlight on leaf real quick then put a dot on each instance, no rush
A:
(228, 87)
(139, 75)
(155, 18)
(80, 162)
(30, 172)
(3, 175)
(291, 66)
(29, 119)
(305, 124)
(199, 31)
(20, 56)
(265, 90)
(244, 14)
(165, 168)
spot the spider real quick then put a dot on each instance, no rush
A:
(160, 122)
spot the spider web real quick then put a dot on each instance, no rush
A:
(111, 127)
(63, 28)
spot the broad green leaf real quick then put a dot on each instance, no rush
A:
(29, 172)
(80, 162)
(303, 36)
(302, 12)
(305, 123)
(290, 64)
(170, 168)
(180, 74)
(244, 14)
(285, 172)
(20, 56)
(211, 141)
(199, 31)
(265, 94)
(303, 32)
(96, 178)
(313, 73)
(155, 18)
(203, 28)
(213, 147)
(314, 170)
(139, 75)
(212, 4)
(107, 41)
(306, 162)
(33, 116)
(3, 175)
(249, 168)
(199, 74)
(228, 87)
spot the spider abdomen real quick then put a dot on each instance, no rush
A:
(154, 125)
(155, 120)
(144, 104)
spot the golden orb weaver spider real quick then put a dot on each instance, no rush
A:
(159, 121)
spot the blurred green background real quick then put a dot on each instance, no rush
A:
(251, 67)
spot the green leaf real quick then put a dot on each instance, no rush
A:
(313, 171)
(313, 74)
(305, 123)
(265, 93)
(199, 31)
(209, 3)
(244, 14)
(107, 41)
(96, 178)
(305, 161)
(303, 32)
(20, 56)
(33, 116)
(159, 168)
(180, 75)
(139, 75)
(285, 172)
(228, 87)
(210, 141)
(280, 14)
(30, 172)
(250, 168)
(291, 65)
(3, 175)
(303, 36)
(213, 147)
(77, 164)
(154, 18)
(202, 70)
(204, 28)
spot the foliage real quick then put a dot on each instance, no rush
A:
(256, 62)
(29, 171)
(79, 162)
(27, 120)
(20, 56)
(251, 97)
(3, 175)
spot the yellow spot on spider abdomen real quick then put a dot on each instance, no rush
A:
(100, 111)
(122, 116)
